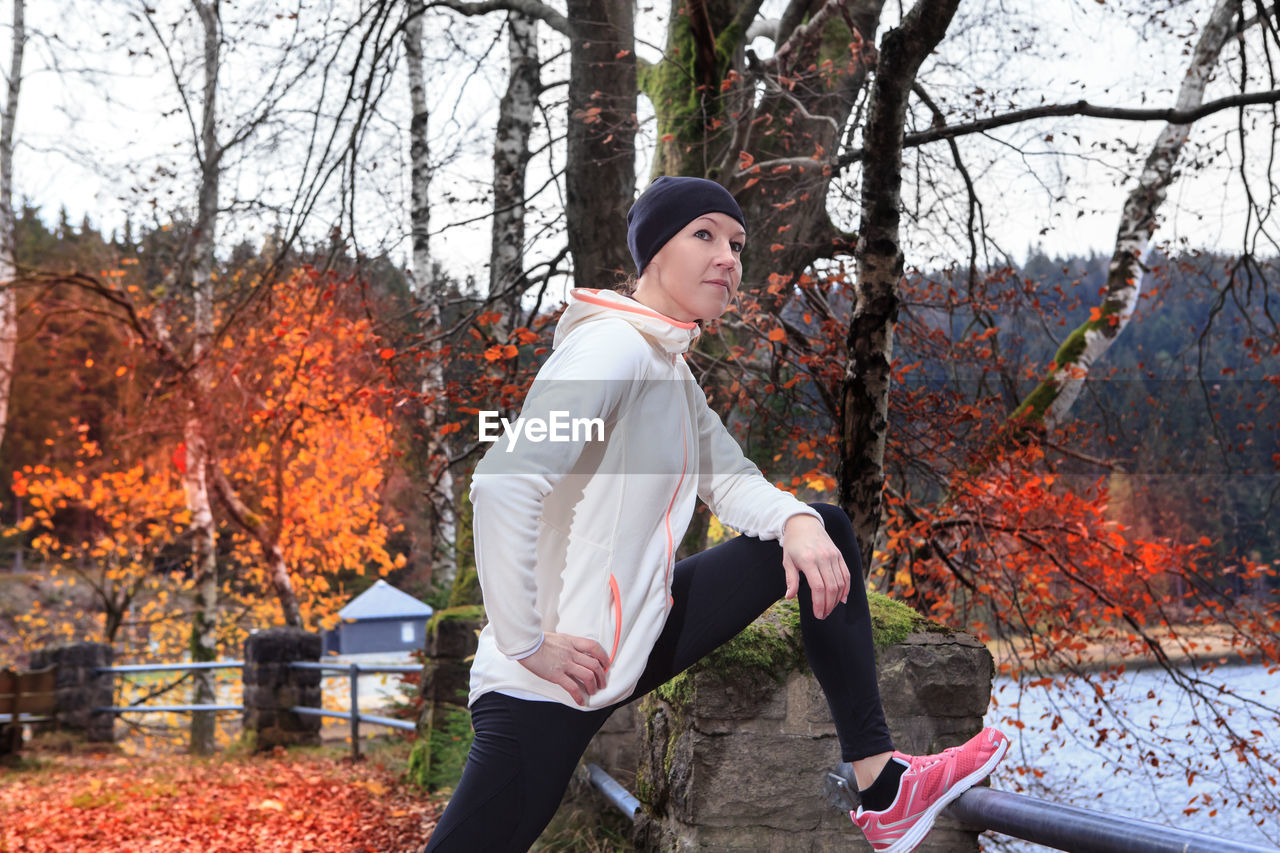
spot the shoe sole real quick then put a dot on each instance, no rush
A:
(916, 834)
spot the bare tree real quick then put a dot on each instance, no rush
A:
(8, 263)
(439, 488)
(194, 427)
(510, 163)
(1049, 403)
(865, 391)
(215, 136)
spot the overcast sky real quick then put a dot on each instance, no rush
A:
(104, 149)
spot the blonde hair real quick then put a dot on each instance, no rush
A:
(626, 284)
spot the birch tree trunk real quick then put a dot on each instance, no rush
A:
(865, 389)
(600, 180)
(269, 540)
(510, 161)
(1049, 403)
(196, 479)
(8, 261)
(439, 490)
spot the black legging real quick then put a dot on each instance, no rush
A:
(525, 751)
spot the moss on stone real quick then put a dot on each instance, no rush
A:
(437, 757)
(419, 763)
(772, 644)
(452, 614)
(769, 645)
(677, 691)
(892, 621)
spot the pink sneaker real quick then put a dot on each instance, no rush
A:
(928, 784)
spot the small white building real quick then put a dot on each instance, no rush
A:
(380, 619)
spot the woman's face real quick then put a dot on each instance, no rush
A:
(696, 274)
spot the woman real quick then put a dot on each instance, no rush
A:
(575, 538)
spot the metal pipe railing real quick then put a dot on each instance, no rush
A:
(353, 671)
(618, 796)
(171, 667)
(347, 667)
(155, 709)
(1081, 830)
(404, 725)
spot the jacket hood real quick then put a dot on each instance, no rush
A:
(588, 304)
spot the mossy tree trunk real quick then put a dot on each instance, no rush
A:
(760, 128)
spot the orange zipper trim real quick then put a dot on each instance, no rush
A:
(617, 616)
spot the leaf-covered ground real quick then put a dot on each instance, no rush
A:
(289, 803)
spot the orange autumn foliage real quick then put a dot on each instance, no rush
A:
(297, 413)
(307, 443)
(105, 529)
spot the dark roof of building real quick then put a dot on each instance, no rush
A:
(384, 601)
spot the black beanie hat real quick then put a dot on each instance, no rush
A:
(669, 204)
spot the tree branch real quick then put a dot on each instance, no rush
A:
(1079, 108)
(531, 8)
(811, 29)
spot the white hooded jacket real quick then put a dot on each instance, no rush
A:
(578, 536)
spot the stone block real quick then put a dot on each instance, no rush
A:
(286, 696)
(79, 687)
(770, 781)
(263, 673)
(756, 696)
(807, 710)
(446, 681)
(453, 638)
(949, 674)
(740, 765)
(272, 684)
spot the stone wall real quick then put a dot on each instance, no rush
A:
(272, 686)
(81, 688)
(735, 759)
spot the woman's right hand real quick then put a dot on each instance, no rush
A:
(575, 663)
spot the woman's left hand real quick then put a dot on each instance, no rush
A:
(808, 550)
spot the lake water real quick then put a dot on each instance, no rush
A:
(1164, 725)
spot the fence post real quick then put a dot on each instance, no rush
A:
(272, 686)
(81, 688)
(450, 643)
(355, 712)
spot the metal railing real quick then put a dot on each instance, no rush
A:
(353, 671)
(619, 797)
(168, 667)
(1072, 828)
(1038, 821)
